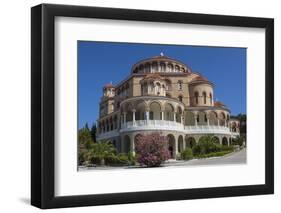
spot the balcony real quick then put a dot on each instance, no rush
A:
(235, 134)
(206, 129)
(151, 125)
(162, 125)
(110, 134)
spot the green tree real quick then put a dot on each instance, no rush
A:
(84, 143)
(87, 126)
(100, 151)
(206, 144)
(239, 140)
(93, 132)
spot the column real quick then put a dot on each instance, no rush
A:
(124, 117)
(174, 116)
(176, 147)
(134, 115)
(195, 119)
(146, 115)
(132, 146)
(181, 119)
(208, 120)
(218, 122)
(183, 145)
(162, 115)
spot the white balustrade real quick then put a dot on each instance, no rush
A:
(205, 129)
(139, 125)
(110, 134)
(152, 125)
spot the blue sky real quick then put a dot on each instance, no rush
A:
(103, 62)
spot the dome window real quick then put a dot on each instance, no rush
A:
(196, 97)
(179, 85)
(205, 97)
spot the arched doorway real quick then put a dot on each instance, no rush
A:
(126, 144)
(180, 143)
(172, 145)
(178, 114)
(224, 141)
(202, 118)
(140, 111)
(169, 112)
(190, 142)
(216, 140)
(222, 119)
(213, 119)
(155, 111)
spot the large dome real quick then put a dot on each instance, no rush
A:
(160, 64)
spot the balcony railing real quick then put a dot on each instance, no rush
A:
(235, 134)
(166, 125)
(110, 134)
(152, 125)
(205, 129)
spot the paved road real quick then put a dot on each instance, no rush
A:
(233, 158)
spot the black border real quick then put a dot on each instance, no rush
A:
(43, 117)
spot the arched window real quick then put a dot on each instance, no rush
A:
(177, 68)
(196, 97)
(162, 67)
(211, 98)
(205, 97)
(180, 98)
(170, 68)
(179, 85)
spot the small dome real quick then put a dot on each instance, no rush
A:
(219, 104)
(109, 85)
(199, 78)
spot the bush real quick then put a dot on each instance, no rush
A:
(132, 158)
(214, 154)
(152, 149)
(187, 154)
(99, 152)
(120, 159)
(123, 158)
(207, 145)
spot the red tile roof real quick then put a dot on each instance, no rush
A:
(109, 85)
(218, 104)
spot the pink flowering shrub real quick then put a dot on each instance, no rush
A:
(152, 149)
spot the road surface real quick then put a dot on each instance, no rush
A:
(232, 158)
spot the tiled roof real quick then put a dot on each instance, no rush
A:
(109, 85)
(199, 78)
(218, 104)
